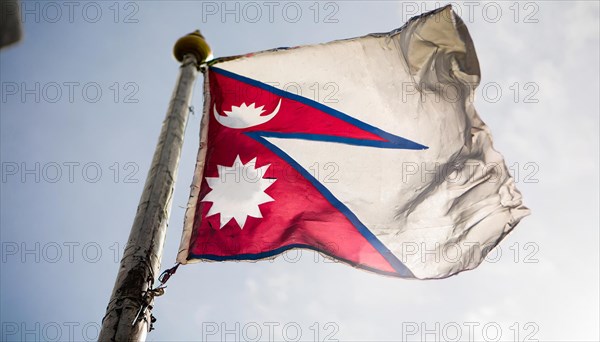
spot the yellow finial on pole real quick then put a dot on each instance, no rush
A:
(193, 44)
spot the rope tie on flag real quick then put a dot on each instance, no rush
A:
(166, 275)
(148, 296)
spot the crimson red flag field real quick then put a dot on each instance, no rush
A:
(367, 150)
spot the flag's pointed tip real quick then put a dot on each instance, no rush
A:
(443, 31)
(448, 7)
(447, 11)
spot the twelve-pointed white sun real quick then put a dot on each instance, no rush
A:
(238, 191)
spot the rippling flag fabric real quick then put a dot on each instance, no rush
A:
(367, 150)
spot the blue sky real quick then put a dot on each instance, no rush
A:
(62, 233)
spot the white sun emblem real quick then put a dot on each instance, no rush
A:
(244, 116)
(238, 191)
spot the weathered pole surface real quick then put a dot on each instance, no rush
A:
(140, 264)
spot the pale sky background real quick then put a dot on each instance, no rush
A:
(542, 283)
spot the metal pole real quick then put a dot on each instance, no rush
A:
(124, 321)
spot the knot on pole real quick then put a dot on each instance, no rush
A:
(148, 296)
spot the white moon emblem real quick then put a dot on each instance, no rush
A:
(244, 116)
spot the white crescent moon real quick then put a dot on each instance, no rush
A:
(244, 117)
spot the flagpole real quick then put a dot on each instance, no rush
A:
(128, 314)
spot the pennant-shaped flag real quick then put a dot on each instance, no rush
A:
(367, 150)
